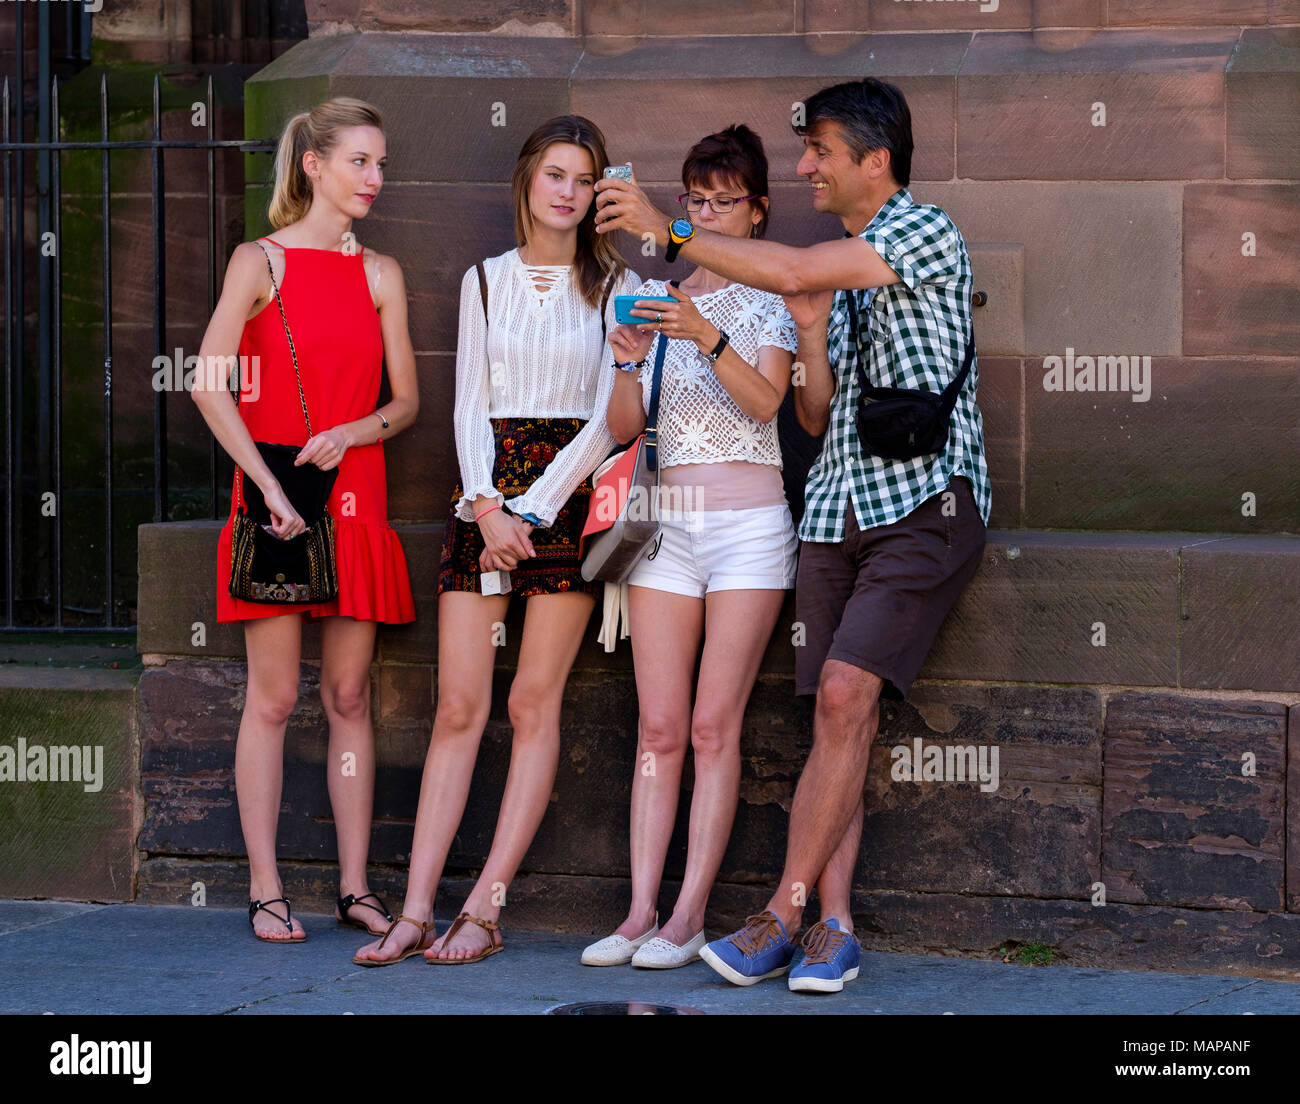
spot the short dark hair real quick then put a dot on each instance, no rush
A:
(873, 114)
(735, 154)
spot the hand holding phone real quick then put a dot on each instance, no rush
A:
(624, 305)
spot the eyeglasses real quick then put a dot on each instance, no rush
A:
(720, 205)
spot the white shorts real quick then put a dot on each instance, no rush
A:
(701, 551)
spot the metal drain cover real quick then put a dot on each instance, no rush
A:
(623, 1008)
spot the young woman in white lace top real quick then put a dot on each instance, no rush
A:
(726, 554)
(531, 392)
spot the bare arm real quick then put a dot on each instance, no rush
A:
(399, 361)
(625, 415)
(785, 269)
(247, 284)
(814, 391)
(788, 269)
(757, 391)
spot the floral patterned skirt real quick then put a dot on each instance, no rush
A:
(524, 446)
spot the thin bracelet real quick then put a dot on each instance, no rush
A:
(487, 511)
(381, 417)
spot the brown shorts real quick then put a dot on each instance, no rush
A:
(877, 598)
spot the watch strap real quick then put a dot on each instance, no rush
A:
(675, 243)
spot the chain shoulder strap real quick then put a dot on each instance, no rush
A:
(292, 352)
(302, 398)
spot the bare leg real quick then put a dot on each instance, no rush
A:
(836, 882)
(830, 788)
(467, 651)
(553, 628)
(274, 645)
(347, 648)
(738, 624)
(666, 632)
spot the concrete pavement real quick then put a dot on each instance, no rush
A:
(76, 959)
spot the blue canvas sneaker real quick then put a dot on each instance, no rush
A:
(833, 957)
(759, 950)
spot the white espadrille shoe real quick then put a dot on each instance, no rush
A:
(617, 950)
(659, 954)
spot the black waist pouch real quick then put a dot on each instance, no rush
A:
(896, 423)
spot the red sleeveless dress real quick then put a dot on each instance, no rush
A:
(336, 332)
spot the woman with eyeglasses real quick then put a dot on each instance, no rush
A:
(727, 549)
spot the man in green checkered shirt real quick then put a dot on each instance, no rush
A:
(886, 546)
(913, 336)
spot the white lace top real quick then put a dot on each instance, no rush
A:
(699, 422)
(542, 358)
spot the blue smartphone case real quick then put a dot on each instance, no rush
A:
(623, 306)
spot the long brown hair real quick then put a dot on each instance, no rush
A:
(596, 258)
(316, 130)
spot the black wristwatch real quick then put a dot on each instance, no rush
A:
(680, 231)
(711, 357)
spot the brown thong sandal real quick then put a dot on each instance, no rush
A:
(487, 925)
(254, 907)
(414, 950)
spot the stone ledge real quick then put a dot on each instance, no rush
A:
(931, 51)
(1163, 88)
(66, 678)
(1170, 603)
(605, 25)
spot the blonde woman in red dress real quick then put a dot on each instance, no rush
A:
(345, 307)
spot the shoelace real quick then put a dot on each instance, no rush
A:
(822, 943)
(759, 930)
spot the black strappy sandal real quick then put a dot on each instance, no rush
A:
(345, 903)
(254, 907)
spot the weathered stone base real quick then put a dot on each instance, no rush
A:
(1126, 826)
(64, 837)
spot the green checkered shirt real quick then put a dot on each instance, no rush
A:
(913, 333)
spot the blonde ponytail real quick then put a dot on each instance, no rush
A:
(315, 130)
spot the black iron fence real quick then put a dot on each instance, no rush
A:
(34, 548)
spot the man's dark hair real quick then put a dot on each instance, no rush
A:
(872, 114)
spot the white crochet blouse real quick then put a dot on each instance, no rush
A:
(699, 422)
(541, 357)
